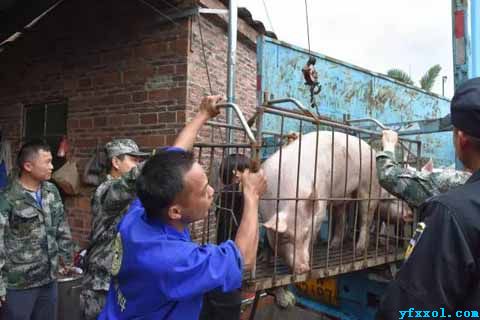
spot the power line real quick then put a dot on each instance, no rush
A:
(205, 61)
(172, 6)
(151, 6)
(268, 15)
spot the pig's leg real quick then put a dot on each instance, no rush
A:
(312, 215)
(338, 235)
(366, 213)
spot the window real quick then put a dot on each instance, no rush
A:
(47, 121)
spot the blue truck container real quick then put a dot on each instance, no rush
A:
(348, 90)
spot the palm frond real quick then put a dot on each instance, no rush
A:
(428, 79)
(400, 75)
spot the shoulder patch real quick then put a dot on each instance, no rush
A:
(117, 255)
(416, 237)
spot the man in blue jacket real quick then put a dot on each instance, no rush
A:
(158, 272)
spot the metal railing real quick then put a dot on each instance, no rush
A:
(344, 209)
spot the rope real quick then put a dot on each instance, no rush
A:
(308, 26)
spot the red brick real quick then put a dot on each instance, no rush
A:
(88, 143)
(105, 100)
(107, 79)
(132, 76)
(72, 124)
(148, 118)
(139, 96)
(85, 123)
(69, 84)
(161, 94)
(164, 117)
(85, 83)
(139, 74)
(170, 139)
(166, 70)
(130, 119)
(181, 46)
(77, 104)
(151, 50)
(157, 141)
(122, 98)
(100, 122)
(180, 116)
(181, 69)
(115, 120)
(177, 93)
(142, 141)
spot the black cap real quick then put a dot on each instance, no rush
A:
(465, 107)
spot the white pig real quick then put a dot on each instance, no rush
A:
(389, 209)
(354, 176)
(394, 210)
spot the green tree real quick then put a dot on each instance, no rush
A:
(428, 79)
(426, 82)
(400, 75)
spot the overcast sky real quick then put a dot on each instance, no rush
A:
(373, 34)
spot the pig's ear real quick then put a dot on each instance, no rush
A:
(428, 167)
(272, 224)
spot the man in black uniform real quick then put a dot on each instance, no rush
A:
(442, 274)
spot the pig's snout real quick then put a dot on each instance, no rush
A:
(407, 216)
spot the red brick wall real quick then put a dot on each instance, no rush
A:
(123, 75)
(214, 29)
(216, 43)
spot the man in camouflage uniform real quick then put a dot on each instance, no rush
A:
(109, 200)
(412, 186)
(113, 197)
(34, 234)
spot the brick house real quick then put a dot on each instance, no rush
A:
(95, 70)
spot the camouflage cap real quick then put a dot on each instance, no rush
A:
(118, 147)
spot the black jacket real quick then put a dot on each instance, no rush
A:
(442, 273)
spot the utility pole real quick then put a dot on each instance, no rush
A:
(444, 79)
(231, 61)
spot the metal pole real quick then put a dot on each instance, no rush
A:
(231, 61)
(461, 48)
(444, 78)
(475, 37)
